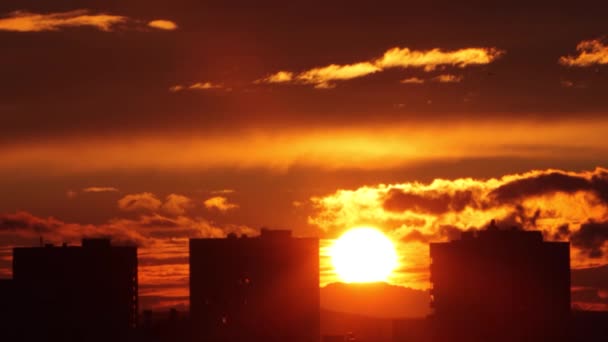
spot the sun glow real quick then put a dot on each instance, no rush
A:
(363, 255)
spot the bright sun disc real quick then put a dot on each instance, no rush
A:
(363, 255)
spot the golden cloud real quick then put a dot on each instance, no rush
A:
(412, 80)
(223, 191)
(448, 78)
(23, 21)
(197, 86)
(326, 76)
(220, 203)
(563, 205)
(161, 24)
(431, 59)
(278, 77)
(590, 52)
(100, 189)
(144, 201)
(547, 200)
(371, 148)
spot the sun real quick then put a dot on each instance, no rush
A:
(363, 255)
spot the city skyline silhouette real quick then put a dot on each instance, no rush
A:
(487, 285)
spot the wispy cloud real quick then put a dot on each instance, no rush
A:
(590, 52)
(24, 21)
(100, 189)
(197, 86)
(369, 148)
(448, 78)
(412, 80)
(325, 76)
(174, 204)
(220, 203)
(162, 241)
(177, 204)
(566, 83)
(431, 59)
(144, 201)
(443, 78)
(223, 191)
(278, 77)
(162, 24)
(428, 60)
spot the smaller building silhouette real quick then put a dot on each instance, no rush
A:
(75, 293)
(500, 285)
(264, 288)
(8, 306)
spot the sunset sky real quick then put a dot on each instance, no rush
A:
(154, 123)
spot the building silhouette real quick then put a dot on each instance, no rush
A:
(75, 293)
(255, 289)
(8, 307)
(500, 285)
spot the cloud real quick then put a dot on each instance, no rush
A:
(162, 242)
(27, 226)
(552, 181)
(431, 59)
(377, 147)
(412, 80)
(24, 21)
(176, 88)
(590, 52)
(206, 85)
(591, 277)
(591, 238)
(197, 86)
(174, 204)
(223, 191)
(157, 226)
(326, 76)
(443, 78)
(323, 77)
(26, 221)
(278, 77)
(177, 204)
(448, 78)
(100, 189)
(429, 201)
(161, 24)
(144, 201)
(563, 205)
(220, 203)
(566, 83)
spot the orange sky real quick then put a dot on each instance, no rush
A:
(157, 122)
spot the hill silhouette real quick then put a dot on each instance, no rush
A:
(379, 300)
(363, 327)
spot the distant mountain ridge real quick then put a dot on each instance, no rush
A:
(378, 300)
